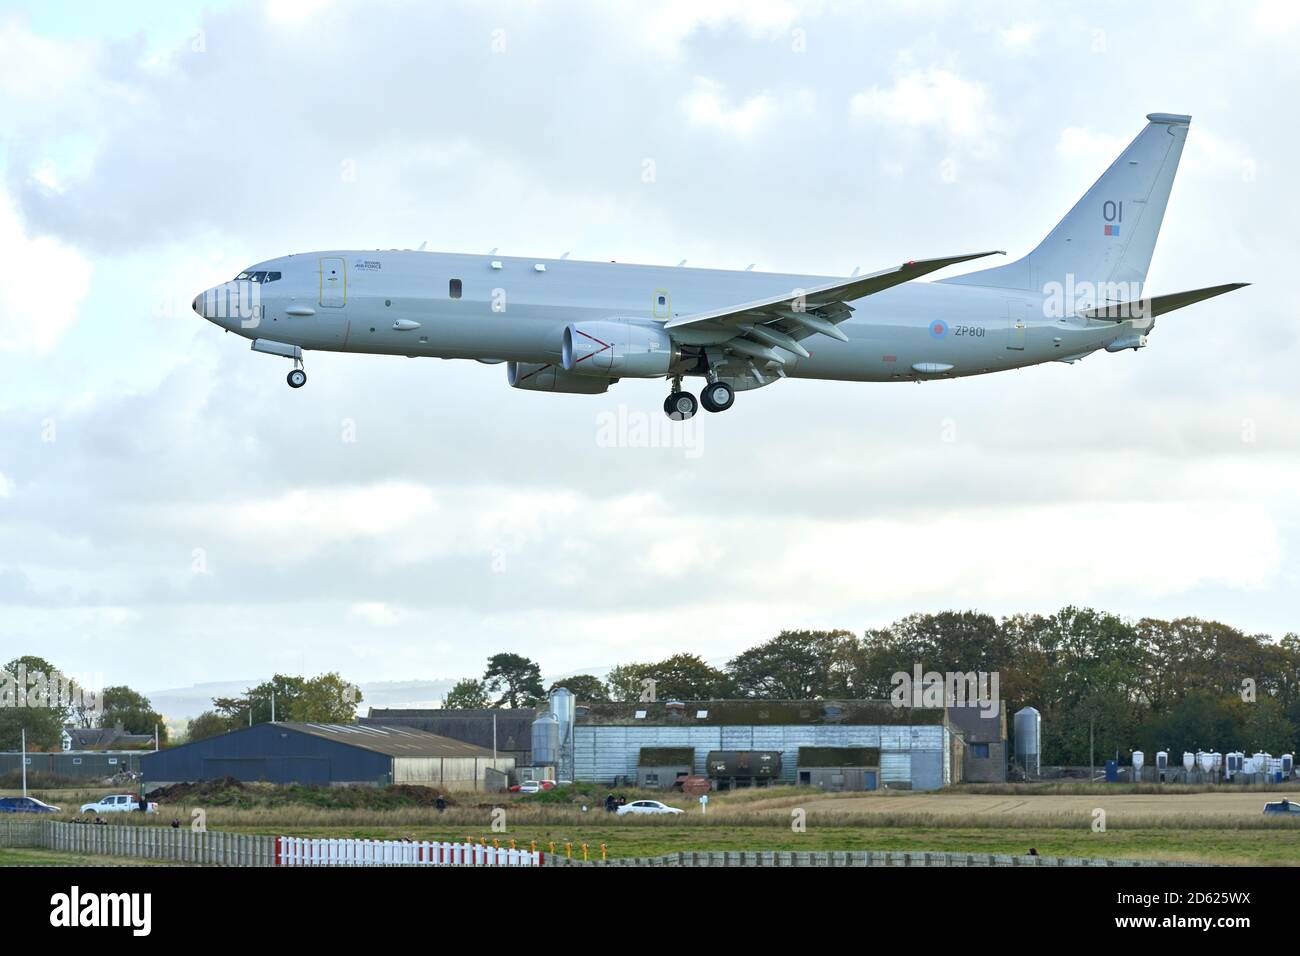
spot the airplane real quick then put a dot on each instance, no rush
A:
(563, 325)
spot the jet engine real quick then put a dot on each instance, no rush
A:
(551, 378)
(617, 348)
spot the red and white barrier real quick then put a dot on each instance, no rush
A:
(303, 851)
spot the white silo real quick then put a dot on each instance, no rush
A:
(546, 741)
(1288, 765)
(1029, 736)
(1162, 760)
(1139, 758)
(562, 705)
(1189, 761)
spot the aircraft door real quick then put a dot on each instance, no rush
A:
(333, 282)
(1018, 314)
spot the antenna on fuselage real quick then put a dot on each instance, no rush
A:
(422, 245)
(565, 256)
(682, 263)
(750, 267)
(854, 273)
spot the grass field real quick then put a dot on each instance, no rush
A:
(9, 857)
(1195, 824)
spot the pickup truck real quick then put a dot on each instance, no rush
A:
(117, 803)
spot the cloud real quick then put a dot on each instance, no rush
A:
(706, 105)
(935, 99)
(45, 282)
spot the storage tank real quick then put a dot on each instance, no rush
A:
(1029, 740)
(563, 706)
(1139, 758)
(1162, 760)
(1205, 761)
(546, 740)
(1288, 765)
(1189, 761)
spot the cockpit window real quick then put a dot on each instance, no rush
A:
(259, 276)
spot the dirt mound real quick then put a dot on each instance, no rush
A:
(179, 792)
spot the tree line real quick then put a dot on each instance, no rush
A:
(36, 696)
(1150, 684)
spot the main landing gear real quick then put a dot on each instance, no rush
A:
(716, 397)
(297, 378)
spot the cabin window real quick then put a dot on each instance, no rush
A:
(454, 289)
(980, 751)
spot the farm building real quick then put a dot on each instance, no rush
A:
(74, 764)
(755, 742)
(328, 754)
(658, 768)
(508, 731)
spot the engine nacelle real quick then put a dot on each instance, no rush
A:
(617, 349)
(551, 378)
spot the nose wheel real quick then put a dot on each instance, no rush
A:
(680, 406)
(717, 397)
(297, 378)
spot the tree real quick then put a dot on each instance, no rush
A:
(33, 697)
(516, 678)
(205, 725)
(131, 709)
(326, 699)
(467, 694)
(283, 690)
(680, 677)
(797, 665)
(1267, 728)
(584, 687)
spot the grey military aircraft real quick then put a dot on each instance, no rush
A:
(563, 325)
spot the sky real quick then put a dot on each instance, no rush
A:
(172, 514)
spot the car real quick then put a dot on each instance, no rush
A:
(25, 805)
(117, 803)
(533, 786)
(1282, 806)
(647, 806)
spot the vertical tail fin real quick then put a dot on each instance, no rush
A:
(1109, 235)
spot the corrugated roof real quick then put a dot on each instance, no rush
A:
(756, 712)
(393, 741)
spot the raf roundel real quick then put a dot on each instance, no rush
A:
(938, 328)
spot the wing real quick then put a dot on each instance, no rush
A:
(756, 330)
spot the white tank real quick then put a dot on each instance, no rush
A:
(1162, 760)
(1139, 758)
(1288, 765)
(1205, 761)
(1189, 761)
(546, 741)
(1029, 735)
(562, 706)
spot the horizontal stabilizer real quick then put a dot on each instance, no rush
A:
(1152, 306)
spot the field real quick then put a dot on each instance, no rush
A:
(1195, 824)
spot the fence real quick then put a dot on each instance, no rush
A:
(297, 851)
(221, 848)
(855, 858)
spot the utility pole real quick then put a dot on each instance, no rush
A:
(1092, 756)
(24, 761)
